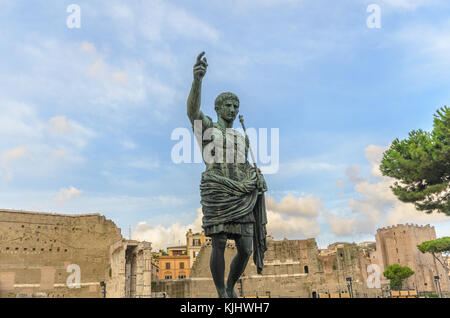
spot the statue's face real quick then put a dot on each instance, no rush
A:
(229, 110)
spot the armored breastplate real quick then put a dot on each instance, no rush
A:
(226, 153)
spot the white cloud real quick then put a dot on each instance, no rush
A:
(374, 155)
(427, 48)
(293, 217)
(45, 145)
(66, 194)
(79, 76)
(111, 86)
(281, 226)
(308, 206)
(8, 157)
(155, 21)
(375, 205)
(306, 165)
(19, 120)
(128, 144)
(353, 174)
(70, 131)
(161, 236)
(411, 4)
(145, 164)
(60, 124)
(341, 226)
(239, 5)
(13, 154)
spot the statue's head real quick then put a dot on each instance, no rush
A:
(227, 106)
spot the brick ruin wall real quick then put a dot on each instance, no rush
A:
(36, 249)
(293, 268)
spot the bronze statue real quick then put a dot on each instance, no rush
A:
(232, 193)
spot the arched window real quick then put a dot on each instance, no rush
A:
(306, 269)
(314, 294)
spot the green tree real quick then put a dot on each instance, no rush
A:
(437, 248)
(163, 253)
(397, 274)
(421, 165)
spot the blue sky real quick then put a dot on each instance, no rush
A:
(86, 114)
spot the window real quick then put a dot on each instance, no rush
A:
(306, 269)
(182, 265)
(167, 265)
(181, 276)
(168, 277)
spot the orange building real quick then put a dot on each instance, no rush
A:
(174, 267)
(177, 264)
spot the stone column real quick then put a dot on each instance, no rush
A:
(144, 270)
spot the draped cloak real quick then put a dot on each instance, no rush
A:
(225, 200)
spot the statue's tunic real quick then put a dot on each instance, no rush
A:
(231, 202)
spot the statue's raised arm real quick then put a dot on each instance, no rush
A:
(194, 99)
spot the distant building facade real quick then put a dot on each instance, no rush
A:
(398, 245)
(194, 242)
(179, 259)
(174, 267)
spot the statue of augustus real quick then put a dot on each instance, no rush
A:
(232, 191)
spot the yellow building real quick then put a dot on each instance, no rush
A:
(174, 267)
(194, 242)
(177, 264)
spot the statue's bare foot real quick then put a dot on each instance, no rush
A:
(231, 293)
(222, 293)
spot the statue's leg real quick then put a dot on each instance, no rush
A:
(239, 262)
(217, 263)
